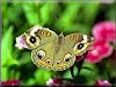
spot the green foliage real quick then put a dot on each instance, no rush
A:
(60, 17)
(41, 76)
(8, 59)
(30, 11)
(47, 13)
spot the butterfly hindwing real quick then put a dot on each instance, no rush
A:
(64, 58)
(43, 55)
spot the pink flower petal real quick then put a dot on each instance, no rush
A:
(105, 31)
(53, 82)
(20, 43)
(93, 57)
(103, 83)
(10, 83)
(101, 50)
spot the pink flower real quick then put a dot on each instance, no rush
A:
(105, 31)
(53, 82)
(103, 83)
(100, 50)
(10, 83)
(20, 43)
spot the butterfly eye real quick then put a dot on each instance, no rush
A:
(48, 61)
(58, 62)
(32, 39)
(80, 46)
(67, 57)
(41, 54)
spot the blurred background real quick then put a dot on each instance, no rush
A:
(68, 17)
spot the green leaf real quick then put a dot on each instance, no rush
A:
(70, 13)
(111, 13)
(31, 13)
(25, 58)
(7, 49)
(67, 74)
(89, 12)
(41, 76)
(30, 82)
(7, 53)
(47, 12)
(13, 74)
(70, 28)
(4, 74)
(17, 75)
(91, 75)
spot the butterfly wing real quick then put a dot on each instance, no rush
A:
(79, 43)
(37, 35)
(43, 55)
(64, 59)
(72, 45)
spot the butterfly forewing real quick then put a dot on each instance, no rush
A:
(37, 36)
(79, 43)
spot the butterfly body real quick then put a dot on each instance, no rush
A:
(55, 52)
